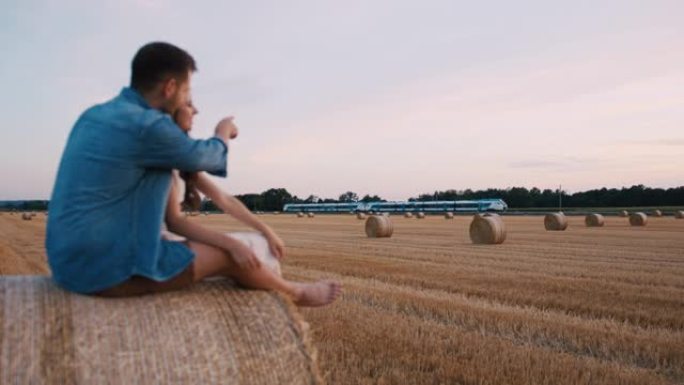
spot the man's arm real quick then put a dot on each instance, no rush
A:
(165, 145)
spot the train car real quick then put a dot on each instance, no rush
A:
(325, 207)
(481, 205)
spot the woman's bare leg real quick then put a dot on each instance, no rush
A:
(211, 261)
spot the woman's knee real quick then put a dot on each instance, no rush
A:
(210, 261)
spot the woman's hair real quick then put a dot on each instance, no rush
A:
(191, 200)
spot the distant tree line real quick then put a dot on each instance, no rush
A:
(24, 205)
(516, 197)
(521, 197)
(274, 199)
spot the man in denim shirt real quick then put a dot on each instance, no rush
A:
(112, 185)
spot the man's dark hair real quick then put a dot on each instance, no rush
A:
(155, 62)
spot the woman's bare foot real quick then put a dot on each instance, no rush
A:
(320, 293)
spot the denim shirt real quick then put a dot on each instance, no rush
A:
(110, 196)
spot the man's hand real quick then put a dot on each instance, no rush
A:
(226, 129)
(244, 257)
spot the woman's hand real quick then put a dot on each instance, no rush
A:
(244, 257)
(276, 245)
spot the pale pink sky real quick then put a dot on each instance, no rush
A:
(389, 98)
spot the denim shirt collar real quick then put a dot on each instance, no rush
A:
(134, 96)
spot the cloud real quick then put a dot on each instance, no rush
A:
(566, 163)
(655, 142)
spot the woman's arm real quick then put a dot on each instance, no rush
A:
(179, 224)
(231, 205)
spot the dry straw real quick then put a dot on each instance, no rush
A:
(194, 336)
(408, 215)
(638, 219)
(379, 226)
(679, 214)
(420, 215)
(26, 216)
(594, 220)
(360, 216)
(310, 215)
(555, 222)
(487, 229)
(623, 213)
(448, 215)
(656, 213)
(300, 215)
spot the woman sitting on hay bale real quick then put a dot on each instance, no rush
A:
(251, 259)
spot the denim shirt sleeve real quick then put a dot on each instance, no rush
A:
(164, 145)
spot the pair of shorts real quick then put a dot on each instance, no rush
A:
(139, 285)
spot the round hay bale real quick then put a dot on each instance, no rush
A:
(33, 214)
(656, 213)
(555, 222)
(679, 214)
(310, 215)
(300, 215)
(623, 213)
(638, 219)
(420, 215)
(77, 339)
(487, 229)
(360, 216)
(26, 216)
(594, 220)
(408, 215)
(448, 215)
(379, 226)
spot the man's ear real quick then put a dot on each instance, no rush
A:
(170, 87)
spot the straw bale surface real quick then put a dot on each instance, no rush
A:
(211, 333)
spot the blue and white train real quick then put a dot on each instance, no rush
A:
(480, 205)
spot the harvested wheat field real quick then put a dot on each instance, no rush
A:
(589, 305)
